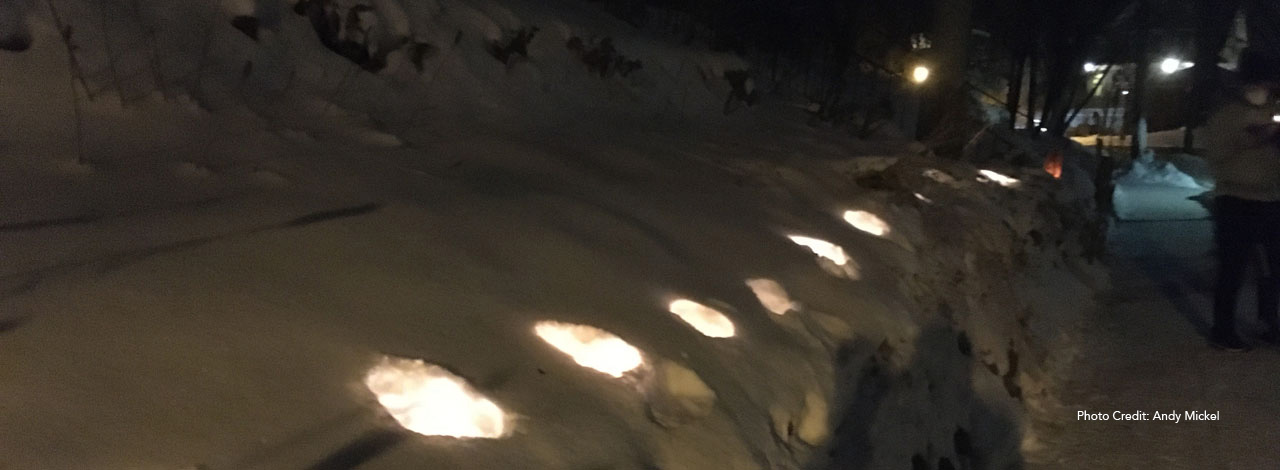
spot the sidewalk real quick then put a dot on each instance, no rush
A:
(1146, 352)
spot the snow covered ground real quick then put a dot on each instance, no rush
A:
(241, 240)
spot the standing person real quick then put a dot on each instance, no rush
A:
(1244, 153)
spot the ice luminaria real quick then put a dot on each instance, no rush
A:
(771, 295)
(867, 222)
(822, 248)
(1000, 179)
(429, 400)
(706, 320)
(591, 347)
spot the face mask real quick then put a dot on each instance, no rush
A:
(1256, 96)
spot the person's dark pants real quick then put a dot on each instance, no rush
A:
(1246, 230)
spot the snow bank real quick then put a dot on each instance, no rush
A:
(208, 273)
(1149, 171)
(1158, 190)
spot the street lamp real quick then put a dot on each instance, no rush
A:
(1090, 67)
(1170, 65)
(920, 74)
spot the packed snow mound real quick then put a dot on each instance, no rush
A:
(1158, 190)
(211, 237)
(1194, 166)
(1157, 202)
(678, 396)
(1150, 171)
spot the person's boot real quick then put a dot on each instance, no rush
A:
(1227, 341)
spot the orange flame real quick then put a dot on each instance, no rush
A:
(1053, 164)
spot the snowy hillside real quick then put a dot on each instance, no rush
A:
(229, 252)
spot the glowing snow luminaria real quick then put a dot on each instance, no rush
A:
(429, 400)
(833, 260)
(939, 176)
(771, 295)
(591, 347)
(1000, 179)
(706, 320)
(867, 222)
(823, 248)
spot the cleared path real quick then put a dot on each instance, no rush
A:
(1146, 352)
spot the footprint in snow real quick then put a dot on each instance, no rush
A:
(73, 167)
(295, 135)
(265, 177)
(191, 170)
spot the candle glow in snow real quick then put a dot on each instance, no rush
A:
(591, 347)
(429, 400)
(938, 176)
(840, 262)
(823, 248)
(706, 320)
(999, 179)
(771, 295)
(867, 222)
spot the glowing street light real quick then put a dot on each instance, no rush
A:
(920, 74)
(1170, 65)
(1090, 67)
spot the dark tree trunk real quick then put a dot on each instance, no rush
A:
(953, 24)
(1092, 93)
(1137, 107)
(1063, 77)
(1033, 89)
(1017, 69)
